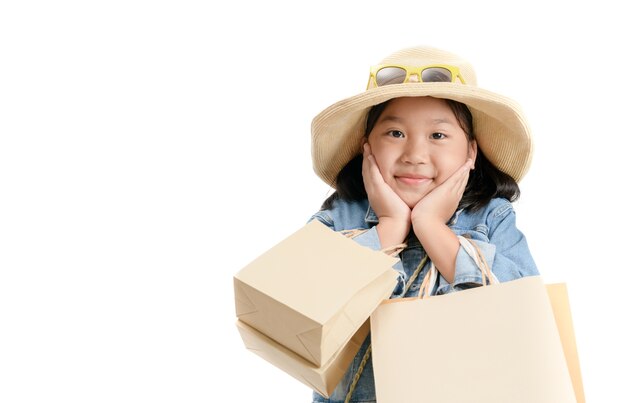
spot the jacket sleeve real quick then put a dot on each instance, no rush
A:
(505, 250)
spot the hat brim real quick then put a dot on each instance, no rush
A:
(499, 125)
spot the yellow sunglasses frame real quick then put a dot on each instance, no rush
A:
(412, 71)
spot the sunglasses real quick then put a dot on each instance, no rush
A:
(397, 74)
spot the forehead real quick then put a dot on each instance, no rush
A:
(419, 107)
(416, 102)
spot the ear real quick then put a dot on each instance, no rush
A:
(472, 152)
(363, 142)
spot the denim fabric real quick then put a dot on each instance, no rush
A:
(494, 232)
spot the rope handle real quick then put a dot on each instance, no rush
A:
(421, 293)
(475, 253)
(358, 373)
(477, 256)
(351, 233)
(393, 250)
(479, 259)
(368, 352)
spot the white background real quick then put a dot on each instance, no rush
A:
(151, 149)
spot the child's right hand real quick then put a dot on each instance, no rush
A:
(394, 215)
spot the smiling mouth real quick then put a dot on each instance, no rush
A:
(407, 180)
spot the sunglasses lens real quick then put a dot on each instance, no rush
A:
(390, 75)
(436, 74)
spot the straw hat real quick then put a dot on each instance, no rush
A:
(499, 124)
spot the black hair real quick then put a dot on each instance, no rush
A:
(485, 181)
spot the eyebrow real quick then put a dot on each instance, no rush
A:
(441, 120)
(392, 119)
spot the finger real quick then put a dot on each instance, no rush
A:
(366, 166)
(370, 172)
(465, 168)
(370, 167)
(455, 184)
(463, 177)
(457, 177)
(462, 184)
(374, 171)
(365, 172)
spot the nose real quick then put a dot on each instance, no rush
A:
(415, 151)
(414, 78)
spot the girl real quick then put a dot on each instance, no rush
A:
(422, 157)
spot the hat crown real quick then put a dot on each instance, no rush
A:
(426, 56)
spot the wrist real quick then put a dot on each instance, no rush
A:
(392, 231)
(422, 225)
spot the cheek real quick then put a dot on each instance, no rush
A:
(385, 162)
(449, 163)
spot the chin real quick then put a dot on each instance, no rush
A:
(411, 201)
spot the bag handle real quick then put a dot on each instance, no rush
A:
(477, 256)
(393, 250)
(368, 352)
(351, 233)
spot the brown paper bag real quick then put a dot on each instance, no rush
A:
(563, 317)
(323, 379)
(498, 343)
(313, 291)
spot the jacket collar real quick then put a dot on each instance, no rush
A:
(370, 216)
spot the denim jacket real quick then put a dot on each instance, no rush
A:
(494, 232)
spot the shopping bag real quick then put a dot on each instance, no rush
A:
(496, 343)
(323, 379)
(312, 292)
(563, 316)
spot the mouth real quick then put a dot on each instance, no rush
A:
(413, 180)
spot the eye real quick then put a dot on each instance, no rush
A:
(438, 136)
(396, 134)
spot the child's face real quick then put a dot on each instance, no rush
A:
(418, 143)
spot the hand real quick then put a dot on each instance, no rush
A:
(441, 202)
(388, 206)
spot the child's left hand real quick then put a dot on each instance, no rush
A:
(441, 203)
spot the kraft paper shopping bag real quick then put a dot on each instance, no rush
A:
(323, 379)
(491, 344)
(563, 316)
(312, 292)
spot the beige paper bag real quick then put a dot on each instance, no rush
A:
(563, 317)
(492, 344)
(313, 291)
(324, 379)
